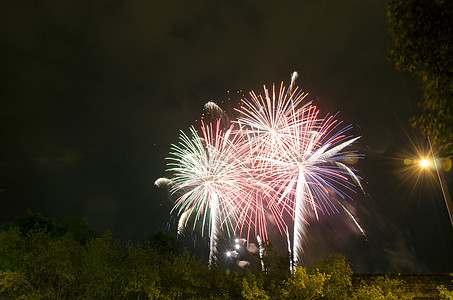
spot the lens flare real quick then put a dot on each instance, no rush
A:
(424, 163)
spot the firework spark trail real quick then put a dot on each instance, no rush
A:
(183, 221)
(298, 153)
(260, 245)
(291, 267)
(294, 76)
(300, 214)
(353, 219)
(209, 176)
(215, 227)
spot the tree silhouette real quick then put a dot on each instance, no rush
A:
(421, 42)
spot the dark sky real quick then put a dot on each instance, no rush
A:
(94, 92)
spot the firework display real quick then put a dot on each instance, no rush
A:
(208, 179)
(278, 158)
(298, 153)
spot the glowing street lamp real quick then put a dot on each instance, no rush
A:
(424, 163)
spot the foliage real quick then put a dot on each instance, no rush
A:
(368, 292)
(252, 287)
(12, 246)
(340, 273)
(444, 293)
(31, 222)
(163, 243)
(48, 268)
(184, 277)
(382, 287)
(141, 272)
(77, 227)
(275, 262)
(302, 285)
(101, 268)
(63, 264)
(421, 43)
(14, 284)
(41, 263)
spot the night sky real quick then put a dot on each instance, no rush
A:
(93, 93)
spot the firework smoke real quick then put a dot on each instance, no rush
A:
(162, 182)
(214, 109)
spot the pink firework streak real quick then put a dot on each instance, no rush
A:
(298, 153)
(265, 123)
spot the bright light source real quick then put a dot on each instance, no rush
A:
(424, 163)
(228, 254)
(236, 240)
(237, 246)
